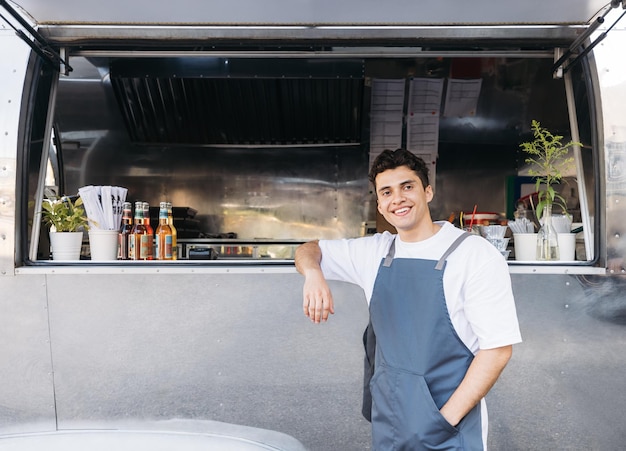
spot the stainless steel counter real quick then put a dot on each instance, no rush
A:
(222, 249)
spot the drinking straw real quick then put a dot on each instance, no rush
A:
(535, 218)
(472, 220)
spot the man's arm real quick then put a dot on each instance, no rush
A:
(317, 298)
(480, 377)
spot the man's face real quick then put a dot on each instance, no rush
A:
(403, 201)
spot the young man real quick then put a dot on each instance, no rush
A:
(441, 307)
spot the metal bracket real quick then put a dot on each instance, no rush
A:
(39, 45)
(558, 69)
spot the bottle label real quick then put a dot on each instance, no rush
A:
(132, 251)
(168, 247)
(164, 247)
(144, 247)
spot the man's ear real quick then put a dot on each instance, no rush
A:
(430, 194)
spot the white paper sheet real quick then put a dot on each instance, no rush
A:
(425, 96)
(102, 205)
(462, 97)
(387, 95)
(422, 135)
(385, 132)
(386, 115)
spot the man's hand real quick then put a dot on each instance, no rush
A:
(480, 377)
(317, 298)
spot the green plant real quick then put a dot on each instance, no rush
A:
(548, 155)
(64, 215)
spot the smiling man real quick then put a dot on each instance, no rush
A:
(441, 307)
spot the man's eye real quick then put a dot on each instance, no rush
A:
(408, 187)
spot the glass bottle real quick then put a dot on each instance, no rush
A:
(138, 237)
(127, 225)
(547, 239)
(170, 222)
(149, 230)
(163, 250)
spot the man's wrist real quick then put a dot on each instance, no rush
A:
(454, 420)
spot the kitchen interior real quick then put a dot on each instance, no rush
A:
(259, 155)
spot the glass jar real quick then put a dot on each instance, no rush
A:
(547, 239)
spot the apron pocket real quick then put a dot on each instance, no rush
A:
(405, 416)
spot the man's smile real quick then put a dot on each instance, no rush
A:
(401, 211)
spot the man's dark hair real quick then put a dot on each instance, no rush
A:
(391, 159)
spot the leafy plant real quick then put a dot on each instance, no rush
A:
(548, 154)
(64, 215)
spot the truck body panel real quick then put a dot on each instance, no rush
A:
(118, 345)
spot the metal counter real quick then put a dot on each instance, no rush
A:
(226, 249)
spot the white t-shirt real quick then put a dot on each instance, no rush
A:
(476, 280)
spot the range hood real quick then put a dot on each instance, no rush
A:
(218, 101)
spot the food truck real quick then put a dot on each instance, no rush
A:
(258, 122)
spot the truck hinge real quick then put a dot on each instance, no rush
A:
(39, 44)
(558, 69)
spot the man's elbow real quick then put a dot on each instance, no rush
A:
(504, 354)
(498, 357)
(307, 256)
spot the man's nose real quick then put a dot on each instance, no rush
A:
(397, 196)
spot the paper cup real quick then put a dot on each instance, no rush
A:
(567, 246)
(103, 244)
(525, 245)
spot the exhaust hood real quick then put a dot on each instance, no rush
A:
(221, 101)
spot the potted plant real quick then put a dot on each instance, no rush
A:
(67, 220)
(549, 159)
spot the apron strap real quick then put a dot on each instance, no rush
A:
(452, 248)
(390, 253)
(439, 266)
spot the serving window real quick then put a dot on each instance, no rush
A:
(259, 156)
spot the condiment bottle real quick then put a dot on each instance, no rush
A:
(149, 230)
(163, 235)
(170, 222)
(125, 229)
(138, 238)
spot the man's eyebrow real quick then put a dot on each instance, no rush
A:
(406, 182)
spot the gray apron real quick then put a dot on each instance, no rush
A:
(420, 360)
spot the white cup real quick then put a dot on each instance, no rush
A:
(525, 245)
(567, 246)
(103, 244)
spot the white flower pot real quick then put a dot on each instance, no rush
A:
(525, 245)
(567, 246)
(66, 245)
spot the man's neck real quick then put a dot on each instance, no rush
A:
(422, 233)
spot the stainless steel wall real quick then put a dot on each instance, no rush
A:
(126, 348)
(311, 191)
(562, 388)
(234, 348)
(273, 192)
(27, 401)
(611, 72)
(12, 74)
(85, 346)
